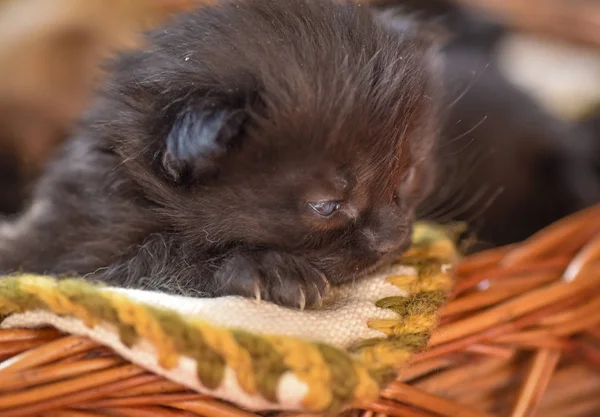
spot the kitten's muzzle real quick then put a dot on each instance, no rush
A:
(389, 241)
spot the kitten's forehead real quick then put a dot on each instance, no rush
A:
(336, 178)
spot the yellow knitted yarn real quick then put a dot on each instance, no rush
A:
(57, 302)
(309, 366)
(147, 327)
(223, 343)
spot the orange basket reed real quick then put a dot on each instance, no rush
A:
(520, 338)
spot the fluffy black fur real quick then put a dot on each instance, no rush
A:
(195, 170)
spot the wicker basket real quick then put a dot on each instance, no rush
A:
(521, 337)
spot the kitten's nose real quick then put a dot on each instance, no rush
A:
(388, 232)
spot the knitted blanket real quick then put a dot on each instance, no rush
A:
(254, 354)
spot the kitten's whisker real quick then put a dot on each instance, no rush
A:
(439, 202)
(487, 205)
(448, 191)
(468, 132)
(444, 203)
(452, 204)
(462, 209)
(471, 84)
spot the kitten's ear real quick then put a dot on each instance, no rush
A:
(198, 138)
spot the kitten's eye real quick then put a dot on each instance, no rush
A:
(325, 208)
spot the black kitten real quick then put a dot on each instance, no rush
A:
(261, 148)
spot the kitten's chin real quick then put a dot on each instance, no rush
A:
(378, 265)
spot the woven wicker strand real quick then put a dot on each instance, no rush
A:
(520, 338)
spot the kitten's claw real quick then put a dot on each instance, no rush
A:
(272, 276)
(319, 296)
(302, 300)
(257, 294)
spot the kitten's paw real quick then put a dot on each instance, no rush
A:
(273, 276)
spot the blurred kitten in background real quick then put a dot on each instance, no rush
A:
(509, 167)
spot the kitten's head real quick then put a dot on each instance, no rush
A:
(302, 126)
